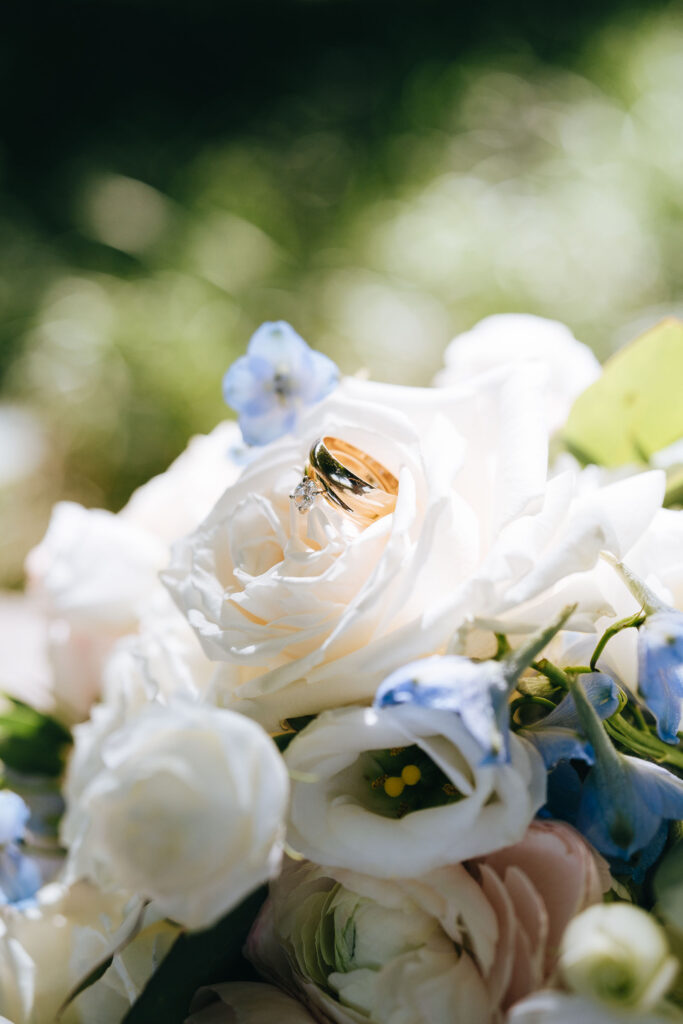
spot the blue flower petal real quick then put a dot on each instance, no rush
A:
(621, 812)
(660, 670)
(555, 745)
(637, 866)
(277, 345)
(564, 793)
(20, 877)
(558, 736)
(14, 814)
(278, 377)
(476, 691)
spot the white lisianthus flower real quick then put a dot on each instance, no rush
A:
(188, 810)
(618, 955)
(310, 611)
(341, 815)
(46, 950)
(568, 366)
(244, 1002)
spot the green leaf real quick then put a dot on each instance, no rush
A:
(668, 885)
(30, 741)
(635, 407)
(196, 959)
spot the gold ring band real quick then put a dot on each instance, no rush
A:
(349, 479)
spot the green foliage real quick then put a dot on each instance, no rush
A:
(635, 407)
(668, 883)
(30, 741)
(196, 959)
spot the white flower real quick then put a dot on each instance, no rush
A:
(568, 366)
(549, 1007)
(188, 809)
(358, 949)
(48, 949)
(309, 611)
(340, 814)
(243, 1002)
(174, 502)
(161, 662)
(617, 954)
(94, 574)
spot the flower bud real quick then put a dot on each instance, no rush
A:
(619, 955)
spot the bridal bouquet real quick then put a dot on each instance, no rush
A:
(367, 710)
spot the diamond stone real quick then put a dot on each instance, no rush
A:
(304, 494)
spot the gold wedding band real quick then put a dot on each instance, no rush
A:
(348, 479)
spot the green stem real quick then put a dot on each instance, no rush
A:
(530, 698)
(593, 728)
(647, 745)
(551, 672)
(632, 620)
(520, 659)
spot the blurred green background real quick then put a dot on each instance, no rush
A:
(382, 175)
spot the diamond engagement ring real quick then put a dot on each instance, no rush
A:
(349, 479)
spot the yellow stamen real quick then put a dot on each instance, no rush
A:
(411, 775)
(394, 786)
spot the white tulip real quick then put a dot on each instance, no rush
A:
(188, 809)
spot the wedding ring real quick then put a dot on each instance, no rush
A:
(347, 478)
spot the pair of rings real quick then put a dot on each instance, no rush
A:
(348, 479)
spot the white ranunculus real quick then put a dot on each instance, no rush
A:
(568, 366)
(188, 809)
(93, 575)
(46, 950)
(174, 502)
(244, 1002)
(309, 611)
(341, 816)
(358, 949)
(618, 955)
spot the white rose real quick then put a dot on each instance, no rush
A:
(309, 612)
(188, 810)
(174, 502)
(96, 573)
(161, 662)
(242, 1002)
(93, 574)
(568, 365)
(340, 814)
(46, 950)
(617, 954)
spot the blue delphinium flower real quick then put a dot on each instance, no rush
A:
(559, 736)
(660, 655)
(278, 377)
(623, 800)
(660, 670)
(477, 691)
(20, 876)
